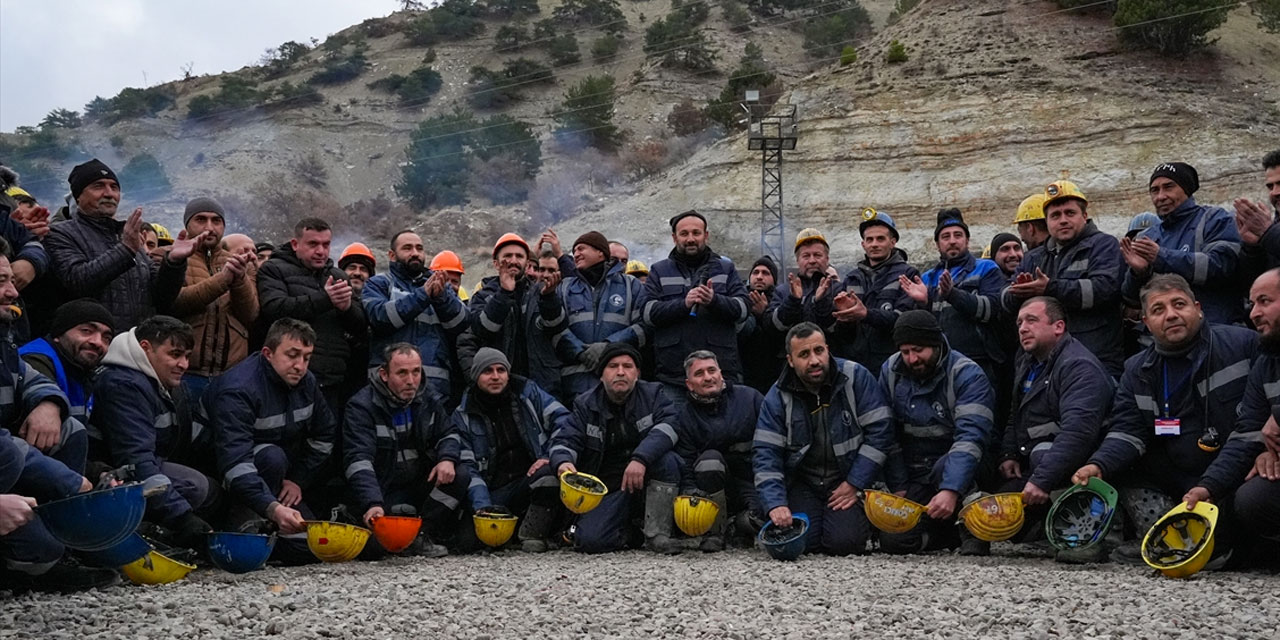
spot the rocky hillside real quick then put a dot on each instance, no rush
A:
(996, 98)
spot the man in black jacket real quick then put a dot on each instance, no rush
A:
(301, 282)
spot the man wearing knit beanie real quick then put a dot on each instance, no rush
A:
(1006, 251)
(757, 341)
(1200, 243)
(941, 401)
(963, 291)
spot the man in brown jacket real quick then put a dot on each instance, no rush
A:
(219, 299)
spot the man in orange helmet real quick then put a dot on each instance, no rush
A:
(450, 264)
(358, 263)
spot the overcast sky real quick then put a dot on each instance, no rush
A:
(62, 53)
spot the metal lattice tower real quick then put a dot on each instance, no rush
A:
(771, 131)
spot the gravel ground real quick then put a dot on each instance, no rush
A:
(737, 594)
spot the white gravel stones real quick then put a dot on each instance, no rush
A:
(736, 594)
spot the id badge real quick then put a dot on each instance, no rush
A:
(1168, 426)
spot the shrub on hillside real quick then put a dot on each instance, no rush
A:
(687, 119)
(1152, 24)
(848, 55)
(563, 50)
(645, 159)
(605, 48)
(61, 119)
(605, 15)
(145, 176)
(446, 150)
(1268, 12)
(511, 37)
(511, 8)
(738, 19)
(897, 53)
(340, 69)
(414, 89)
(280, 60)
(234, 94)
(679, 43)
(586, 115)
(752, 73)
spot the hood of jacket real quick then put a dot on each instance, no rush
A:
(126, 352)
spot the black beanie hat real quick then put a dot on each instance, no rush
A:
(1181, 173)
(769, 264)
(681, 216)
(918, 327)
(949, 218)
(1002, 239)
(595, 240)
(76, 313)
(614, 350)
(202, 205)
(88, 173)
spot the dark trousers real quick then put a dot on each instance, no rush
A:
(1257, 509)
(273, 467)
(714, 471)
(837, 533)
(30, 548)
(608, 527)
(929, 534)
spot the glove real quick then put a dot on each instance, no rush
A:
(590, 356)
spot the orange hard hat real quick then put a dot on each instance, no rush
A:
(510, 238)
(447, 261)
(356, 251)
(396, 533)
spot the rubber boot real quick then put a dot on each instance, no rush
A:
(1143, 508)
(535, 528)
(971, 545)
(659, 517)
(714, 539)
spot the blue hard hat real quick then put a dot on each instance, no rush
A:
(790, 545)
(1142, 222)
(95, 520)
(131, 548)
(871, 216)
(240, 552)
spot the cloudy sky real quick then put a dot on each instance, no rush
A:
(62, 53)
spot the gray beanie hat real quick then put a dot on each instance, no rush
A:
(485, 357)
(201, 205)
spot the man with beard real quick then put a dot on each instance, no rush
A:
(506, 423)
(141, 425)
(357, 262)
(412, 304)
(1082, 268)
(1257, 226)
(1172, 396)
(301, 282)
(810, 292)
(1032, 227)
(219, 300)
(1199, 243)
(69, 358)
(504, 311)
(823, 433)
(1249, 463)
(96, 256)
(964, 292)
(1006, 252)
(695, 300)
(715, 429)
(623, 432)
(758, 343)
(400, 453)
(596, 306)
(1062, 397)
(876, 297)
(943, 409)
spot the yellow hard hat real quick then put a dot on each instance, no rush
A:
(695, 515)
(1061, 190)
(581, 492)
(462, 293)
(1181, 542)
(986, 253)
(17, 191)
(163, 238)
(335, 541)
(1031, 209)
(994, 518)
(493, 527)
(890, 513)
(810, 235)
(637, 268)
(156, 568)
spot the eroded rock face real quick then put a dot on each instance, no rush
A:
(992, 105)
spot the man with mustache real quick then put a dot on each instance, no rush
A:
(943, 408)
(1249, 464)
(76, 344)
(1173, 397)
(96, 256)
(695, 300)
(411, 303)
(758, 347)
(1199, 243)
(1257, 226)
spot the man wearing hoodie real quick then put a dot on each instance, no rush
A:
(142, 425)
(301, 282)
(219, 299)
(1199, 243)
(413, 304)
(400, 453)
(595, 306)
(759, 345)
(506, 423)
(694, 300)
(877, 295)
(1082, 268)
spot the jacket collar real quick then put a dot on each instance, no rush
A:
(126, 352)
(1053, 246)
(895, 257)
(401, 272)
(287, 254)
(1177, 216)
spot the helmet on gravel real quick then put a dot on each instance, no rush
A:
(396, 533)
(95, 520)
(993, 518)
(695, 514)
(335, 541)
(1081, 516)
(161, 565)
(890, 513)
(581, 492)
(785, 543)
(494, 526)
(1181, 542)
(235, 552)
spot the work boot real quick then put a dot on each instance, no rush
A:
(714, 539)
(1093, 554)
(423, 546)
(68, 576)
(1129, 553)
(970, 545)
(534, 528)
(659, 517)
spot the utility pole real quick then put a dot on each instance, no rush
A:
(771, 131)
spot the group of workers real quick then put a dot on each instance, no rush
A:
(254, 387)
